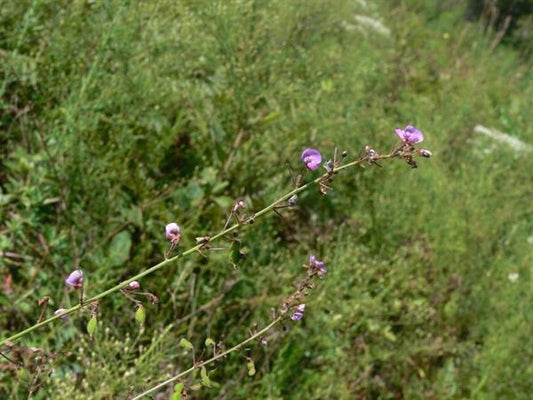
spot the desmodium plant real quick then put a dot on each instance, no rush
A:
(291, 308)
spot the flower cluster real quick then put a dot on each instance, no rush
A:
(409, 135)
(317, 267)
(298, 313)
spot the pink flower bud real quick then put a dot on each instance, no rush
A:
(75, 279)
(292, 200)
(172, 231)
(61, 311)
(425, 153)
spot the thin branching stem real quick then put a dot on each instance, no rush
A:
(192, 250)
(209, 361)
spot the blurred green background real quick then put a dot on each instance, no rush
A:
(120, 116)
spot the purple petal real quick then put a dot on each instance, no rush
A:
(297, 316)
(61, 311)
(400, 133)
(172, 231)
(75, 279)
(311, 158)
(410, 135)
(315, 263)
(413, 134)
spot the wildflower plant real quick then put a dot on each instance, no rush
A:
(292, 307)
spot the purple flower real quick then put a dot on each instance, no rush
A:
(172, 231)
(299, 313)
(297, 316)
(61, 311)
(410, 135)
(317, 265)
(311, 158)
(75, 279)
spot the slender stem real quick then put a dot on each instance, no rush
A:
(10, 360)
(209, 361)
(43, 310)
(194, 249)
(131, 298)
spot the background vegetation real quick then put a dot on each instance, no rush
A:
(120, 116)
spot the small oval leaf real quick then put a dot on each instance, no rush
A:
(140, 315)
(178, 387)
(186, 344)
(119, 249)
(209, 342)
(205, 379)
(91, 326)
(236, 255)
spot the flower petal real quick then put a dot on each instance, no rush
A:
(311, 158)
(400, 133)
(75, 278)
(413, 134)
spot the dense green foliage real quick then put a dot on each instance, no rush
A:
(120, 116)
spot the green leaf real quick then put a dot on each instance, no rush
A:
(140, 315)
(135, 215)
(219, 187)
(23, 374)
(5, 198)
(208, 175)
(236, 255)
(223, 202)
(209, 342)
(51, 200)
(389, 335)
(4, 300)
(205, 379)
(194, 193)
(119, 249)
(268, 119)
(91, 326)
(178, 387)
(186, 344)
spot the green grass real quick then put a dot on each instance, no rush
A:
(118, 117)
